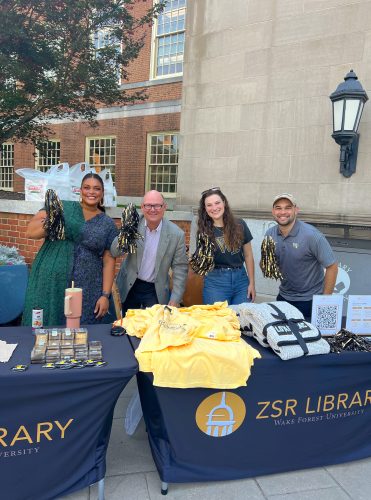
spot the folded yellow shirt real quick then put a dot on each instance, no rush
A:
(201, 363)
(168, 328)
(198, 346)
(137, 321)
(215, 321)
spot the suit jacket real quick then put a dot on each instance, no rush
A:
(171, 254)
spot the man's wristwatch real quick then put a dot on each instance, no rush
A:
(106, 294)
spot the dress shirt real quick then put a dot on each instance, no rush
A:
(147, 266)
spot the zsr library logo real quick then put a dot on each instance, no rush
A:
(220, 414)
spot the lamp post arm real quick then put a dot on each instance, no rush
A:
(348, 157)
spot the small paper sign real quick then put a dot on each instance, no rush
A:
(359, 314)
(327, 313)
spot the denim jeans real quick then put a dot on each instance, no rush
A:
(226, 284)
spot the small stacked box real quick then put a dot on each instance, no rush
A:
(95, 350)
(64, 344)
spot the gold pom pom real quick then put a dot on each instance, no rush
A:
(268, 263)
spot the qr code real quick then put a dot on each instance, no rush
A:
(327, 316)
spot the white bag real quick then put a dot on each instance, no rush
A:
(77, 173)
(65, 181)
(110, 194)
(35, 185)
(58, 177)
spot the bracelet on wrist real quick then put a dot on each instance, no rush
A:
(106, 294)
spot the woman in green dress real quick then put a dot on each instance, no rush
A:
(83, 257)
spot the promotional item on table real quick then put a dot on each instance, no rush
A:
(348, 341)
(65, 348)
(6, 351)
(198, 346)
(281, 326)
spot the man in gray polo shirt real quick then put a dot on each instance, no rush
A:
(304, 256)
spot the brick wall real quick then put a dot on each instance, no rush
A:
(139, 69)
(131, 147)
(12, 233)
(13, 229)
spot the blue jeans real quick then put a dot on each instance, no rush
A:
(226, 284)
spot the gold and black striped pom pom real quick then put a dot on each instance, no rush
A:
(348, 341)
(202, 260)
(268, 263)
(54, 221)
(128, 235)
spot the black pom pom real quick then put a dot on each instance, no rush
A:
(348, 341)
(54, 221)
(202, 260)
(268, 263)
(128, 235)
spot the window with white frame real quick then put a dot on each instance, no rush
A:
(6, 166)
(162, 162)
(48, 153)
(101, 153)
(104, 38)
(169, 37)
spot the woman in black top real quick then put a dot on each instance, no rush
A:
(232, 239)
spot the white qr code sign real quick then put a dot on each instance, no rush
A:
(327, 312)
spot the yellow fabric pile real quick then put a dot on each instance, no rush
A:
(198, 346)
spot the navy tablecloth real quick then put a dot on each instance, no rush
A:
(307, 412)
(55, 425)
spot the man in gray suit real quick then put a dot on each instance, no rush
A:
(143, 279)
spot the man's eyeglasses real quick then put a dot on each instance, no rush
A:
(149, 206)
(216, 188)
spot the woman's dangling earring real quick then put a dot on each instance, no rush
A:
(80, 198)
(101, 203)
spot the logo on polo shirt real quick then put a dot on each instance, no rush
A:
(295, 245)
(220, 414)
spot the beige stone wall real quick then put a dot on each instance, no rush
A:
(256, 117)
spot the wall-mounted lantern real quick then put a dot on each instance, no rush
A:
(347, 106)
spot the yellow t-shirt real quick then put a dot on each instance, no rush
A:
(198, 346)
(201, 363)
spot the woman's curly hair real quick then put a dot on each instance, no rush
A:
(233, 230)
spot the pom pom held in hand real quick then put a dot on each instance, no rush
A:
(54, 221)
(268, 263)
(202, 260)
(128, 235)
